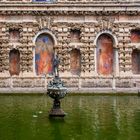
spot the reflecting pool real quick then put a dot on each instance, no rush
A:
(88, 118)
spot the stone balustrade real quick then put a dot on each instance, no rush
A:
(71, 1)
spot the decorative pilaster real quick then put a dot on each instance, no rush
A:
(124, 50)
(5, 48)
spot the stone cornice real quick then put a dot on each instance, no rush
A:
(70, 9)
(43, 4)
(73, 1)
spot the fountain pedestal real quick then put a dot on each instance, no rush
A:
(56, 111)
(57, 91)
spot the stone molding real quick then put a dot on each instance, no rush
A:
(72, 1)
(66, 9)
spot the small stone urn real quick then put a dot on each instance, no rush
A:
(57, 91)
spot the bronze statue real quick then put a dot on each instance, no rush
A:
(56, 90)
(56, 62)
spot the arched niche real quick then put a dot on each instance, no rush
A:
(136, 61)
(44, 54)
(75, 61)
(14, 62)
(135, 36)
(105, 54)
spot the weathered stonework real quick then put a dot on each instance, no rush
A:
(57, 18)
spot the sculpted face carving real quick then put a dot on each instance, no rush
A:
(105, 55)
(44, 54)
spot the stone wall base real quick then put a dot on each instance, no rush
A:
(74, 84)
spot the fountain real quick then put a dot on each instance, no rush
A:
(57, 91)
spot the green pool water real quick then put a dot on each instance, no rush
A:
(88, 118)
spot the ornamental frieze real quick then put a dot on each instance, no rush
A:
(61, 12)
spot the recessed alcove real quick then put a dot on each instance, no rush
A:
(136, 61)
(75, 61)
(75, 35)
(135, 36)
(44, 54)
(14, 35)
(105, 54)
(14, 62)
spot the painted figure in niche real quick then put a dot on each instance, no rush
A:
(14, 35)
(44, 55)
(105, 63)
(136, 62)
(14, 59)
(75, 61)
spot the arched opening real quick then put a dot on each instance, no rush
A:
(105, 55)
(135, 36)
(75, 61)
(136, 61)
(14, 62)
(44, 54)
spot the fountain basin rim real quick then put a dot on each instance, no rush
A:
(57, 89)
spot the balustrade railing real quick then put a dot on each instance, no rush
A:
(69, 1)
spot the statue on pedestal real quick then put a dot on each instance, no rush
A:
(56, 90)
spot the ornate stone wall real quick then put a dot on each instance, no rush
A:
(58, 20)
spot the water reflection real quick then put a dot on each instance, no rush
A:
(89, 118)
